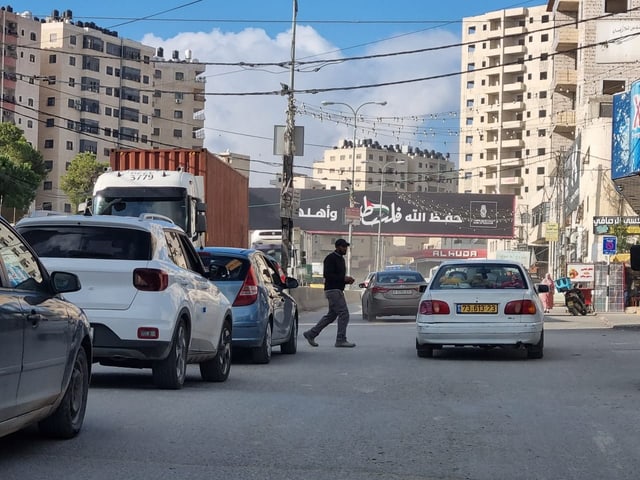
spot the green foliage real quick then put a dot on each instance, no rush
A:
(82, 173)
(620, 230)
(21, 168)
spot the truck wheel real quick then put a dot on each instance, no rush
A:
(262, 354)
(217, 369)
(291, 345)
(67, 420)
(171, 372)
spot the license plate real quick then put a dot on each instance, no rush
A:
(477, 308)
(402, 292)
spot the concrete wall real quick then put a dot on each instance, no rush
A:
(309, 298)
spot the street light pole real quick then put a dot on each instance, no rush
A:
(378, 248)
(354, 111)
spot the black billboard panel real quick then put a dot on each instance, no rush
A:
(399, 213)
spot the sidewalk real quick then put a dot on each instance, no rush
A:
(560, 318)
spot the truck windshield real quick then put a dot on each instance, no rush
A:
(173, 207)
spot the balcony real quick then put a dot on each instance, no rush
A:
(512, 181)
(513, 106)
(515, 87)
(565, 80)
(564, 122)
(513, 143)
(514, 68)
(513, 125)
(514, 50)
(199, 133)
(512, 162)
(519, 30)
(199, 115)
(566, 38)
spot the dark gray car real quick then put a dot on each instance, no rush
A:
(392, 292)
(45, 344)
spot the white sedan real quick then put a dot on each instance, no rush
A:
(488, 303)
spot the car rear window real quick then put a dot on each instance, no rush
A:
(400, 277)
(482, 276)
(237, 267)
(75, 241)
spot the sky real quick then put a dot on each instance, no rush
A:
(243, 99)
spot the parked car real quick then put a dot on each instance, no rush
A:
(45, 344)
(264, 313)
(488, 303)
(145, 291)
(391, 292)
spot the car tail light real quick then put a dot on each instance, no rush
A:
(520, 307)
(249, 292)
(377, 289)
(148, 333)
(150, 279)
(434, 307)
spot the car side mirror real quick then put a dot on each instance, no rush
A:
(291, 282)
(362, 285)
(64, 282)
(422, 288)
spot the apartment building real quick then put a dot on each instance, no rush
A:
(394, 167)
(98, 91)
(19, 87)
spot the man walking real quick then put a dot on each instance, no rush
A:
(335, 279)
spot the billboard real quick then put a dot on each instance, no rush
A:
(399, 213)
(625, 145)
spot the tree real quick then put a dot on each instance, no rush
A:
(21, 168)
(82, 173)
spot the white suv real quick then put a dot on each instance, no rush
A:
(144, 290)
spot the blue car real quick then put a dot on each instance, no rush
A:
(264, 313)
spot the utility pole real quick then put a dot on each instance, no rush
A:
(286, 202)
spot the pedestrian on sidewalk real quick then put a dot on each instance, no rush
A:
(547, 298)
(335, 279)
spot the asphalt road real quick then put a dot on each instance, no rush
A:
(375, 411)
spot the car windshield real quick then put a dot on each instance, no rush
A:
(480, 276)
(62, 241)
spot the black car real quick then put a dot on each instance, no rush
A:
(45, 344)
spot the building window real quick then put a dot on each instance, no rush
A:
(109, 70)
(471, 48)
(72, 82)
(48, 185)
(69, 145)
(471, 30)
(177, 114)
(544, 19)
(542, 94)
(179, 76)
(470, 84)
(108, 111)
(609, 87)
(52, 58)
(543, 75)
(72, 39)
(48, 165)
(32, 37)
(615, 6)
(469, 103)
(471, 66)
(544, 56)
(544, 37)
(48, 143)
(72, 61)
(606, 110)
(51, 101)
(468, 139)
(542, 132)
(541, 152)
(542, 113)
(50, 122)
(53, 37)
(468, 157)
(177, 133)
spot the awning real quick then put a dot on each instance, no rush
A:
(621, 258)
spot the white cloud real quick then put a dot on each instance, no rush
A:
(244, 124)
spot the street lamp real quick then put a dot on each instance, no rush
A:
(353, 164)
(379, 245)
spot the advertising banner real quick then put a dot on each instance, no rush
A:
(625, 145)
(581, 272)
(399, 213)
(605, 225)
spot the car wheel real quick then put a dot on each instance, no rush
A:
(365, 316)
(67, 419)
(217, 369)
(537, 350)
(371, 316)
(291, 345)
(170, 372)
(262, 354)
(424, 351)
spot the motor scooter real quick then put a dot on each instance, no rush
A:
(573, 296)
(575, 302)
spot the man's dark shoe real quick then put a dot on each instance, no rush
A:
(344, 344)
(310, 339)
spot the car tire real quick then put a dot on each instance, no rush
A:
(217, 369)
(371, 316)
(536, 351)
(171, 372)
(290, 347)
(66, 420)
(424, 351)
(365, 316)
(262, 354)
